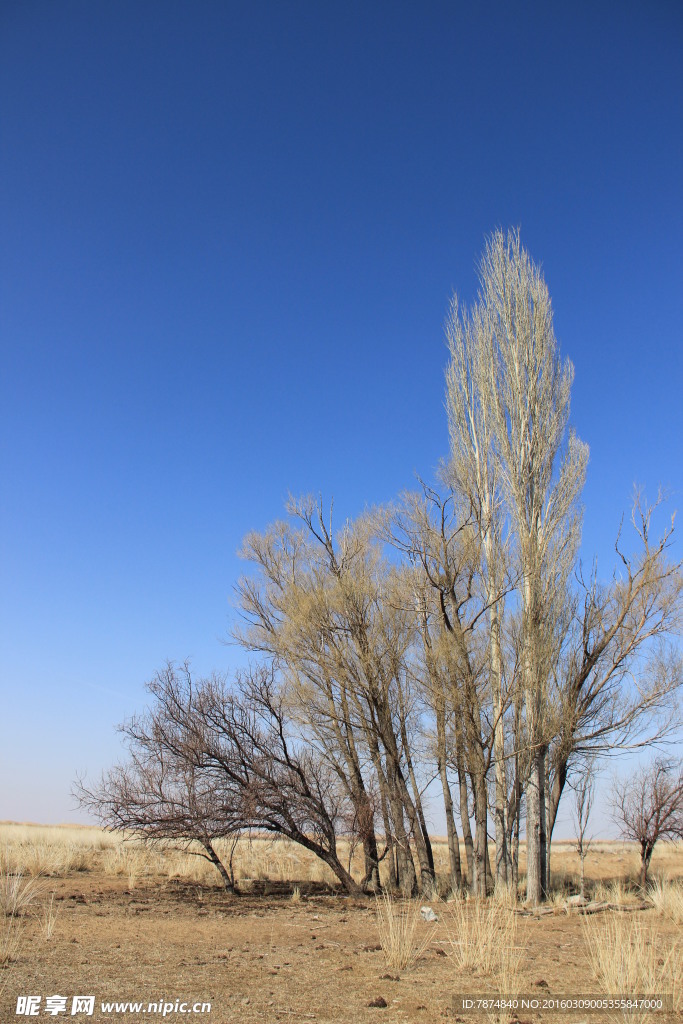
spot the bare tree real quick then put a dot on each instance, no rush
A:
(479, 654)
(286, 788)
(615, 684)
(648, 807)
(509, 396)
(473, 473)
(441, 538)
(584, 792)
(163, 792)
(331, 611)
(209, 760)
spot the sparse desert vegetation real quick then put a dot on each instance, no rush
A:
(86, 910)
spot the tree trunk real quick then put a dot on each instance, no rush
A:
(348, 883)
(371, 862)
(499, 747)
(218, 864)
(534, 798)
(407, 879)
(515, 858)
(466, 830)
(481, 854)
(385, 804)
(422, 847)
(363, 808)
(583, 871)
(544, 864)
(546, 834)
(645, 857)
(455, 871)
(423, 843)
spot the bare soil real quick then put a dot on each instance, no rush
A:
(264, 956)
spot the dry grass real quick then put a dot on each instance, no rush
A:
(505, 896)
(59, 851)
(48, 918)
(667, 897)
(50, 851)
(621, 892)
(482, 936)
(10, 946)
(628, 959)
(399, 925)
(17, 893)
(480, 933)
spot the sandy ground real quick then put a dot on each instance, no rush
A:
(265, 957)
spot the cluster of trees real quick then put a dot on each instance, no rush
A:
(449, 640)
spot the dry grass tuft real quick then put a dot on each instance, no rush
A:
(49, 918)
(505, 896)
(398, 922)
(17, 893)
(478, 932)
(627, 959)
(667, 898)
(482, 936)
(618, 891)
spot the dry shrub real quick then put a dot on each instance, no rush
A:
(397, 924)
(628, 959)
(667, 898)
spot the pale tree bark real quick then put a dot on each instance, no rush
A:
(525, 390)
(472, 472)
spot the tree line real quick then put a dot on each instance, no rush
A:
(451, 639)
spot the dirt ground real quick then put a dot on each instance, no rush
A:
(265, 957)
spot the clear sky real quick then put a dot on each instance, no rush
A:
(230, 232)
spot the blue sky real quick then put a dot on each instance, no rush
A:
(230, 235)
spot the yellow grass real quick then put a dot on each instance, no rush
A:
(17, 893)
(667, 897)
(57, 851)
(10, 945)
(481, 934)
(628, 959)
(402, 933)
(48, 918)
